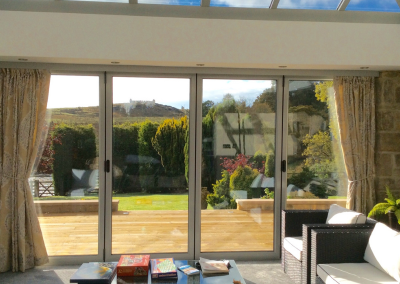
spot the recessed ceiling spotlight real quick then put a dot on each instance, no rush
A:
(282, 66)
(114, 62)
(200, 64)
(22, 59)
(364, 67)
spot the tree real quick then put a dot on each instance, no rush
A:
(266, 101)
(270, 165)
(148, 168)
(229, 106)
(318, 152)
(169, 142)
(208, 171)
(206, 106)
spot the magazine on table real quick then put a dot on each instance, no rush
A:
(209, 266)
(189, 270)
(95, 273)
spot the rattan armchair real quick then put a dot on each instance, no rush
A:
(299, 223)
(337, 246)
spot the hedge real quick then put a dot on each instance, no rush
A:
(77, 150)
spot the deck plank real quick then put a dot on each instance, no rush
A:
(158, 232)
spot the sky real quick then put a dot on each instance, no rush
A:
(357, 5)
(83, 91)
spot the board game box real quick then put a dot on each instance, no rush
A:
(133, 265)
(95, 272)
(163, 268)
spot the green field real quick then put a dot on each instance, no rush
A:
(138, 201)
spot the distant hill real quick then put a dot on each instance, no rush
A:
(141, 110)
(139, 113)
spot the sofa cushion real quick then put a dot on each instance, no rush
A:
(294, 245)
(353, 273)
(341, 215)
(383, 250)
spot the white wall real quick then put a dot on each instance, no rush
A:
(166, 41)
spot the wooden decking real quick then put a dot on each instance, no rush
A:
(158, 231)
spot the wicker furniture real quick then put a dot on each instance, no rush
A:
(298, 224)
(340, 256)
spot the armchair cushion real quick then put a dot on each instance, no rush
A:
(383, 250)
(351, 273)
(341, 215)
(294, 245)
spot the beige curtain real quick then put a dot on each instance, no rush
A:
(355, 104)
(23, 101)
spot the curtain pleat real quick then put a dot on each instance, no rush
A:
(23, 103)
(355, 105)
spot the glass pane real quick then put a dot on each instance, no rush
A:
(172, 2)
(373, 5)
(238, 168)
(241, 3)
(150, 159)
(309, 4)
(315, 161)
(65, 181)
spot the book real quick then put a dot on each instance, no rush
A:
(95, 272)
(163, 268)
(189, 270)
(133, 265)
(213, 266)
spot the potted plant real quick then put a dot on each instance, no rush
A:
(391, 207)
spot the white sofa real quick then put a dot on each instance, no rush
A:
(296, 235)
(356, 256)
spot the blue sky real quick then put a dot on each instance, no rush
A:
(354, 5)
(357, 5)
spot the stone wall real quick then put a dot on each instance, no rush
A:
(387, 151)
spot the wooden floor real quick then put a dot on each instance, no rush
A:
(158, 232)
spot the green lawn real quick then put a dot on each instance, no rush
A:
(337, 197)
(138, 201)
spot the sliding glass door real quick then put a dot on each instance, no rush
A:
(315, 176)
(150, 166)
(182, 165)
(66, 179)
(238, 177)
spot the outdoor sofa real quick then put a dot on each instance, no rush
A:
(356, 256)
(296, 235)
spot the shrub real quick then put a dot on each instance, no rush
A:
(268, 194)
(76, 150)
(306, 195)
(214, 199)
(125, 144)
(270, 165)
(301, 179)
(242, 178)
(207, 168)
(319, 190)
(221, 187)
(146, 151)
(169, 142)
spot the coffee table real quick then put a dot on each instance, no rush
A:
(234, 274)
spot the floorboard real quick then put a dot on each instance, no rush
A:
(159, 231)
